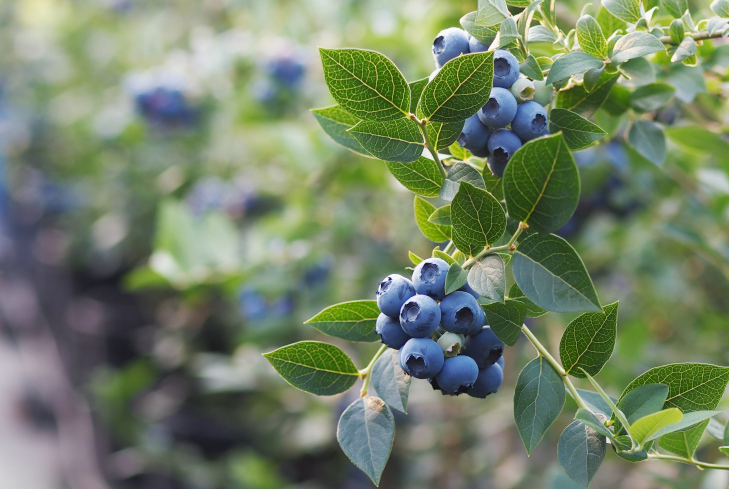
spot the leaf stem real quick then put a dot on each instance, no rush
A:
(422, 124)
(690, 461)
(698, 36)
(366, 372)
(555, 365)
(449, 247)
(507, 247)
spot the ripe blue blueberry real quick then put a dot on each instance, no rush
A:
(500, 362)
(502, 145)
(392, 293)
(457, 375)
(429, 278)
(459, 312)
(475, 137)
(390, 331)
(448, 44)
(506, 68)
(500, 109)
(467, 288)
(484, 347)
(488, 381)
(479, 323)
(419, 316)
(421, 357)
(530, 121)
(542, 92)
(476, 46)
(523, 89)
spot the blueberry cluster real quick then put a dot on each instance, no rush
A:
(442, 338)
(165, 107)
(514, 113)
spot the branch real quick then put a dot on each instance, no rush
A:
(698, 36)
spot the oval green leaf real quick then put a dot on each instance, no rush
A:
(421, 177)
(591, 38)
(399, 140)
(390, 382)
(578, 132)
(580, 451)
(588, 341)
(572, 64)
(506, 319)
(478, 219)
(488, 277)
(353, 321)
(434, 232)
(647, 426)
(336, 122)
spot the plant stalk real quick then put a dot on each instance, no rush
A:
(697, 463)
(428, 144)
(366, 373)
(507, 247)
(698, 36)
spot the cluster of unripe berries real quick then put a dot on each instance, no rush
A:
(515, 102)
(442, 338)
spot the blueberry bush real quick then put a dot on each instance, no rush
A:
(488, 144)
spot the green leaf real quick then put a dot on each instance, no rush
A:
(399, 140)
(692, 386)
(588, 341)
(591, 78)
(578, 132)
(617, 413)
(313, 366)
(724, 450)
(608, 22)
(580, 452)
(459, 89)
(595, 402)
(699, 139)
(684, 443)
(532, 310)
(441, 215)
(390, 382)
(684, 50)
(715, 429)
(353, 321)
(639, 70)
(508, 32)
(538, 399)
(675, 7)
(416, 89)
(572, 64)
(488, 277)
(491, 12)
(421, 177)
(539, 33)
(643, 400)
(458, 152)
(676, 31)
(586, 103)
(434, 232)
(720, 7)
(635, 45)
(519, 3)
(456, 278)
(366, 84)
(626, 10)
(478, 219)
(551, 273)
(460, 172)
(715, 24)
(590, 37)
(506, 319)
(725, 437)
(650, 97)
(336, 122)
(365, 433)
(493, 184)
(443, 134)
(415, 259)
(542, 184)
(689, 420)
(648, 139)
(644, 428)
(588, 419)
(530, 67)
(437, 253)
(485, 35)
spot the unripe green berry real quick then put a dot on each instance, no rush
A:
(523, 89)
(451, 343)
(542, 92)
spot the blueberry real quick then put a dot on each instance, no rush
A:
(484, 347)
(448, 44)
(523, 89)
(392, 293)
(502, 145)
(500, 109)
(500, 362)
(530, 121)
(467, 288)
(475, 137)
(488, 381)
(429, 278)
(421, 357)
(391, 332)
(451, 344)
(419, 316)
(457, 375)
(459, 312)
(542, 92)
(506, 68)
(479, 323)
(476, 46)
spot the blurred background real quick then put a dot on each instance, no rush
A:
(169, 210)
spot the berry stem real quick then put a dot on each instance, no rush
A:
(555, 365)
(366, 372)
(449, 247)
(507, 247)
(690, 461)
(428, 144)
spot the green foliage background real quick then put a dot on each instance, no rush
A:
(655, 238)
